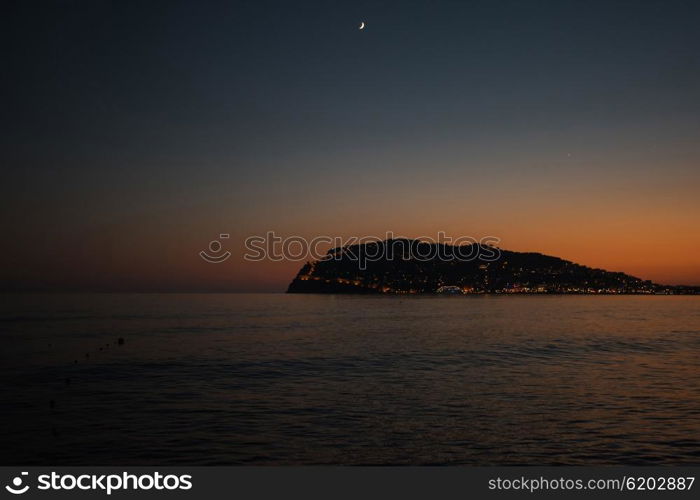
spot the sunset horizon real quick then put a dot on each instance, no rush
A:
(235, 274)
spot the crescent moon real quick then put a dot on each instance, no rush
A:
(362, 25)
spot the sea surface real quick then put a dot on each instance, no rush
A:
(324, 379)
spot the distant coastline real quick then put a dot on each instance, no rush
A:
(398, 271)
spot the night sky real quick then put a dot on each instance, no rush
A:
(136, 132)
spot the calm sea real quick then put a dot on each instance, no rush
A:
(314, 379)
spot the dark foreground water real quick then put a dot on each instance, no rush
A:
(309, 379)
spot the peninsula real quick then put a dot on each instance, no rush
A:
(406, 266)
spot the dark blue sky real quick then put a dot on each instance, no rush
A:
(121, 115)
